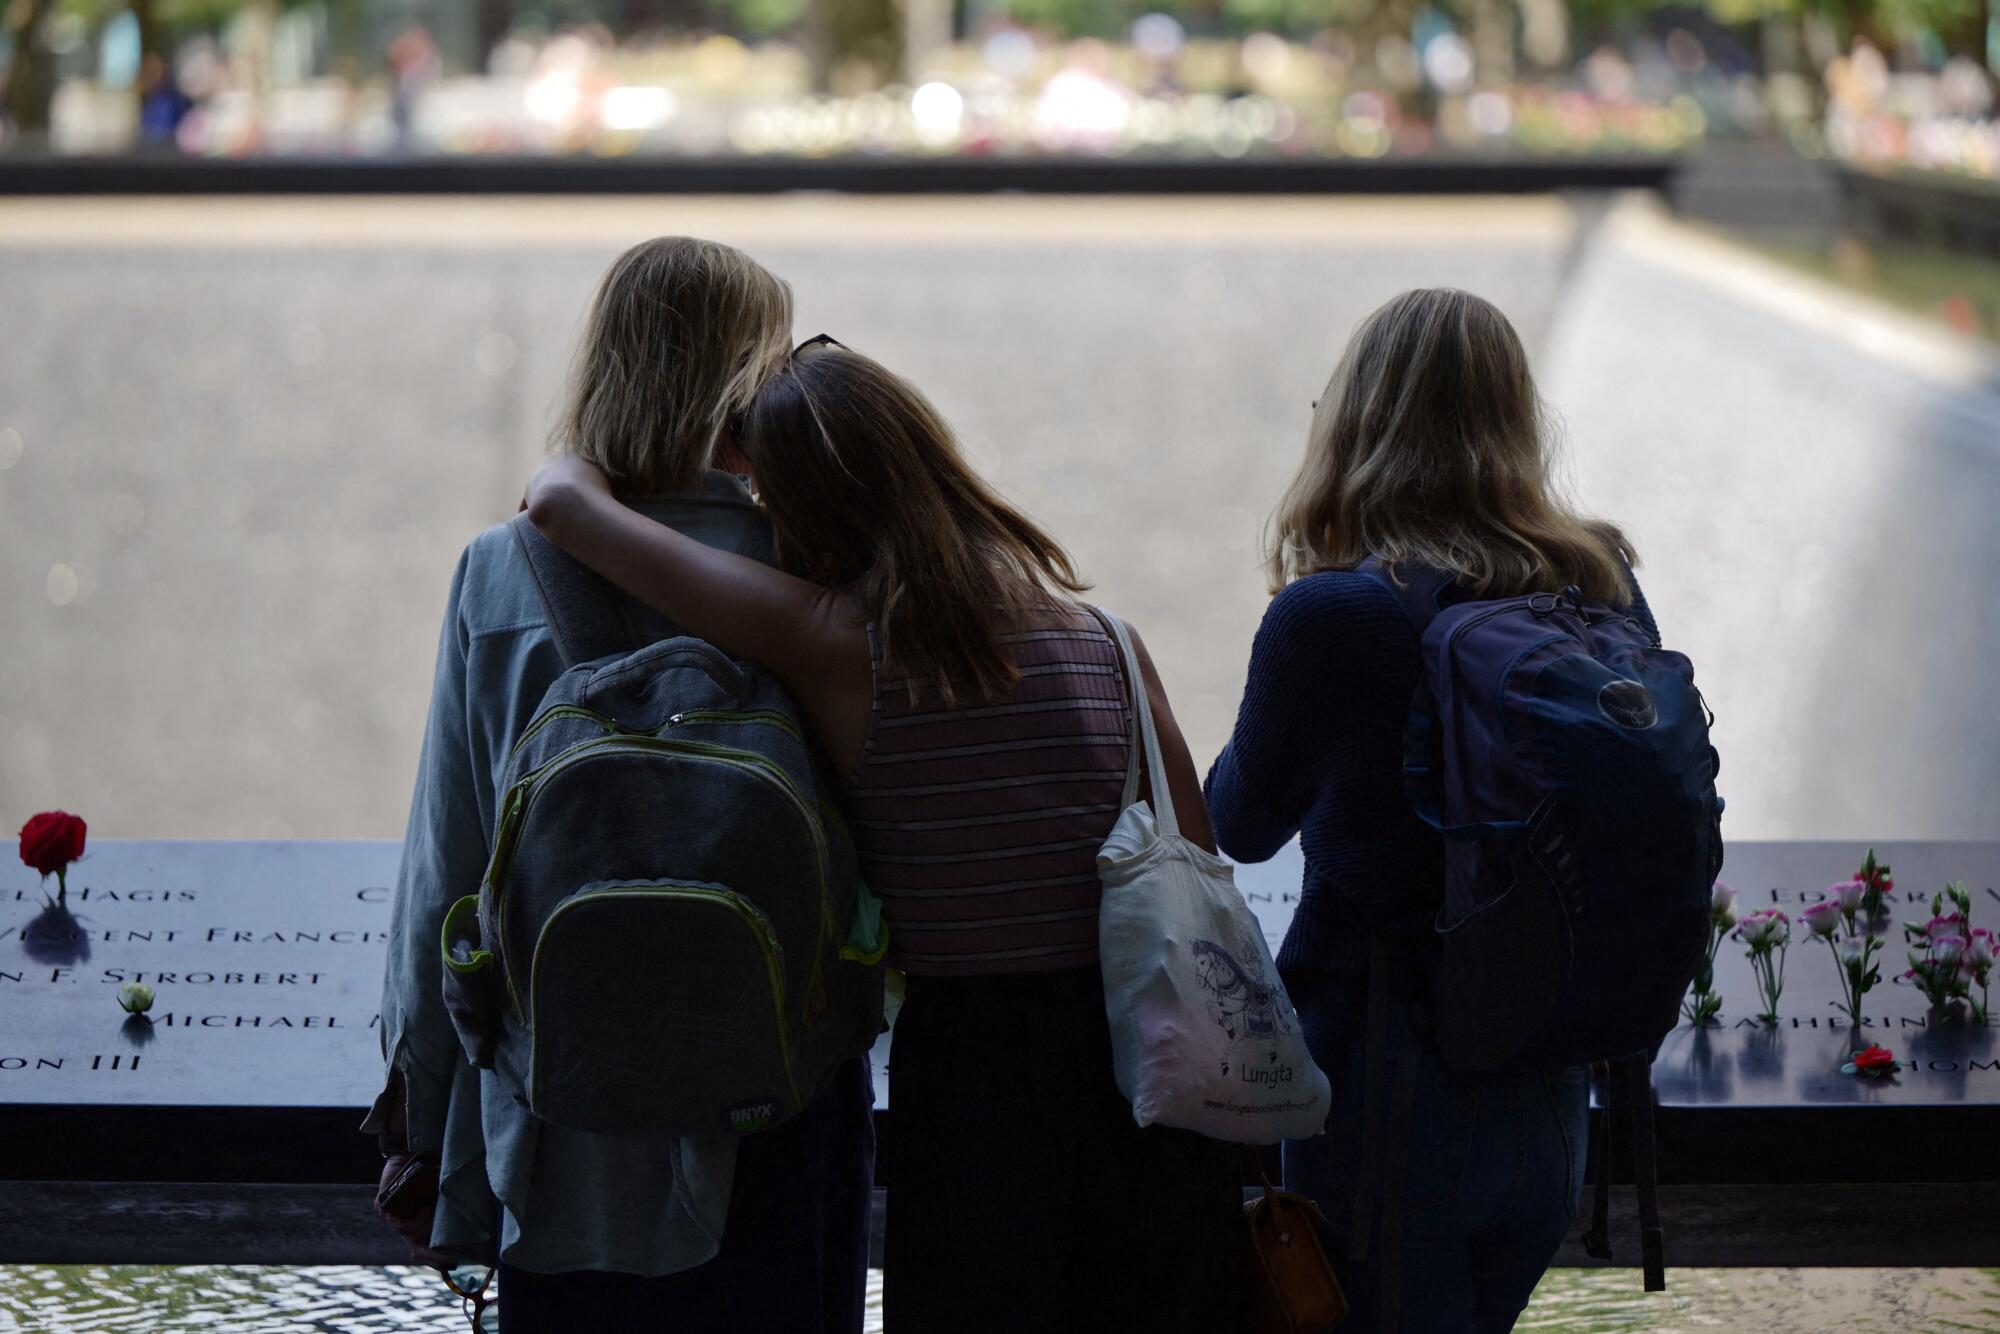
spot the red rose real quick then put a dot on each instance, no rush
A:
(51, 841)
(1874, 1061)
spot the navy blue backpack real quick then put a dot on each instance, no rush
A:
(1564, 757)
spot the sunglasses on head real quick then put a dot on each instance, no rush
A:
(816, 341)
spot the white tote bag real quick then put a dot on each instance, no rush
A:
(1203, 1035)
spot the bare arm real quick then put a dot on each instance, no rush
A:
(1183, 782)
(810, 638)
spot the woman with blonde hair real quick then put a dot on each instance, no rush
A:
(978, 718)
(1427, 459)
(595, 1231)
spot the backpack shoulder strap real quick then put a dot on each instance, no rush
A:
(1418, 592)
(585, 615)
(1418, 596)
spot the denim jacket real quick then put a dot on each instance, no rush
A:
(553, 1199)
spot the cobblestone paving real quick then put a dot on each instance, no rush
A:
(235, 468)
(86, 1299)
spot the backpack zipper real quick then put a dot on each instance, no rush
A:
(521, 798)
(1500, 609)
(612, 727)
(760, 924)
(815, 998)
(767, 717)
(609, 725)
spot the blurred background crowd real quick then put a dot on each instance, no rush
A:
(1879, 82)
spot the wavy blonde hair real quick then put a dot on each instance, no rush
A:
(680, 335)
(1429, 446)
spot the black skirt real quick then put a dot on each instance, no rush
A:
(1022, 1196)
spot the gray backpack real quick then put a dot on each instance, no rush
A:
(672, 935)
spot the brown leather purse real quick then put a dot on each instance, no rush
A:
(1289, 1287)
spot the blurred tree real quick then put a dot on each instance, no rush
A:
(853, 42)
(760, 18)
(491, 20)
(345, 33)
(1545, 32)
(927, 26)
(31, 78)
(1955, 22)
(1297, 17)
(1492, 40)
(152, 32)
(1085, 18)
(1888, 24)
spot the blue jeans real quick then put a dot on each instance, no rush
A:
(1495, 1173)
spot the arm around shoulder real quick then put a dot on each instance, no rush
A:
(809, 637)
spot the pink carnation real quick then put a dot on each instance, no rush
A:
(1762, 930)
(1979, 950)
(1822, 919)
(1951, 924)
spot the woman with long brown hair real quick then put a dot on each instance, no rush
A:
(977, 716)
(1427, 457)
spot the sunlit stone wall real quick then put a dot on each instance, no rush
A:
(241, 445)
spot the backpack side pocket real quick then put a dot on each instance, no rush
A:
(472, 984)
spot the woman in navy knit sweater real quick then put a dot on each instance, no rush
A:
(1427, 451)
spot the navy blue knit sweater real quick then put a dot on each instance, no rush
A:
(1318, 752)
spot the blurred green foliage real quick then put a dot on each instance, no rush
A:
(869, 29)
(180, 14)
(1293, 16)
(766, 18)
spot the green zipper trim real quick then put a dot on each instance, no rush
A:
(564, 711)
(766, 717)
(767, 942)
(512, 807)
(612, 727)
(480, 957)
(521, 798)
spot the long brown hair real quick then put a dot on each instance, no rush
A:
(1430, 446)
(869, 494)
(680, 335)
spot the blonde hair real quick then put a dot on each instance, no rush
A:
(1429, 446)
(869, 494)
(680, 334)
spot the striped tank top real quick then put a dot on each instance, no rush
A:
(978, 826)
